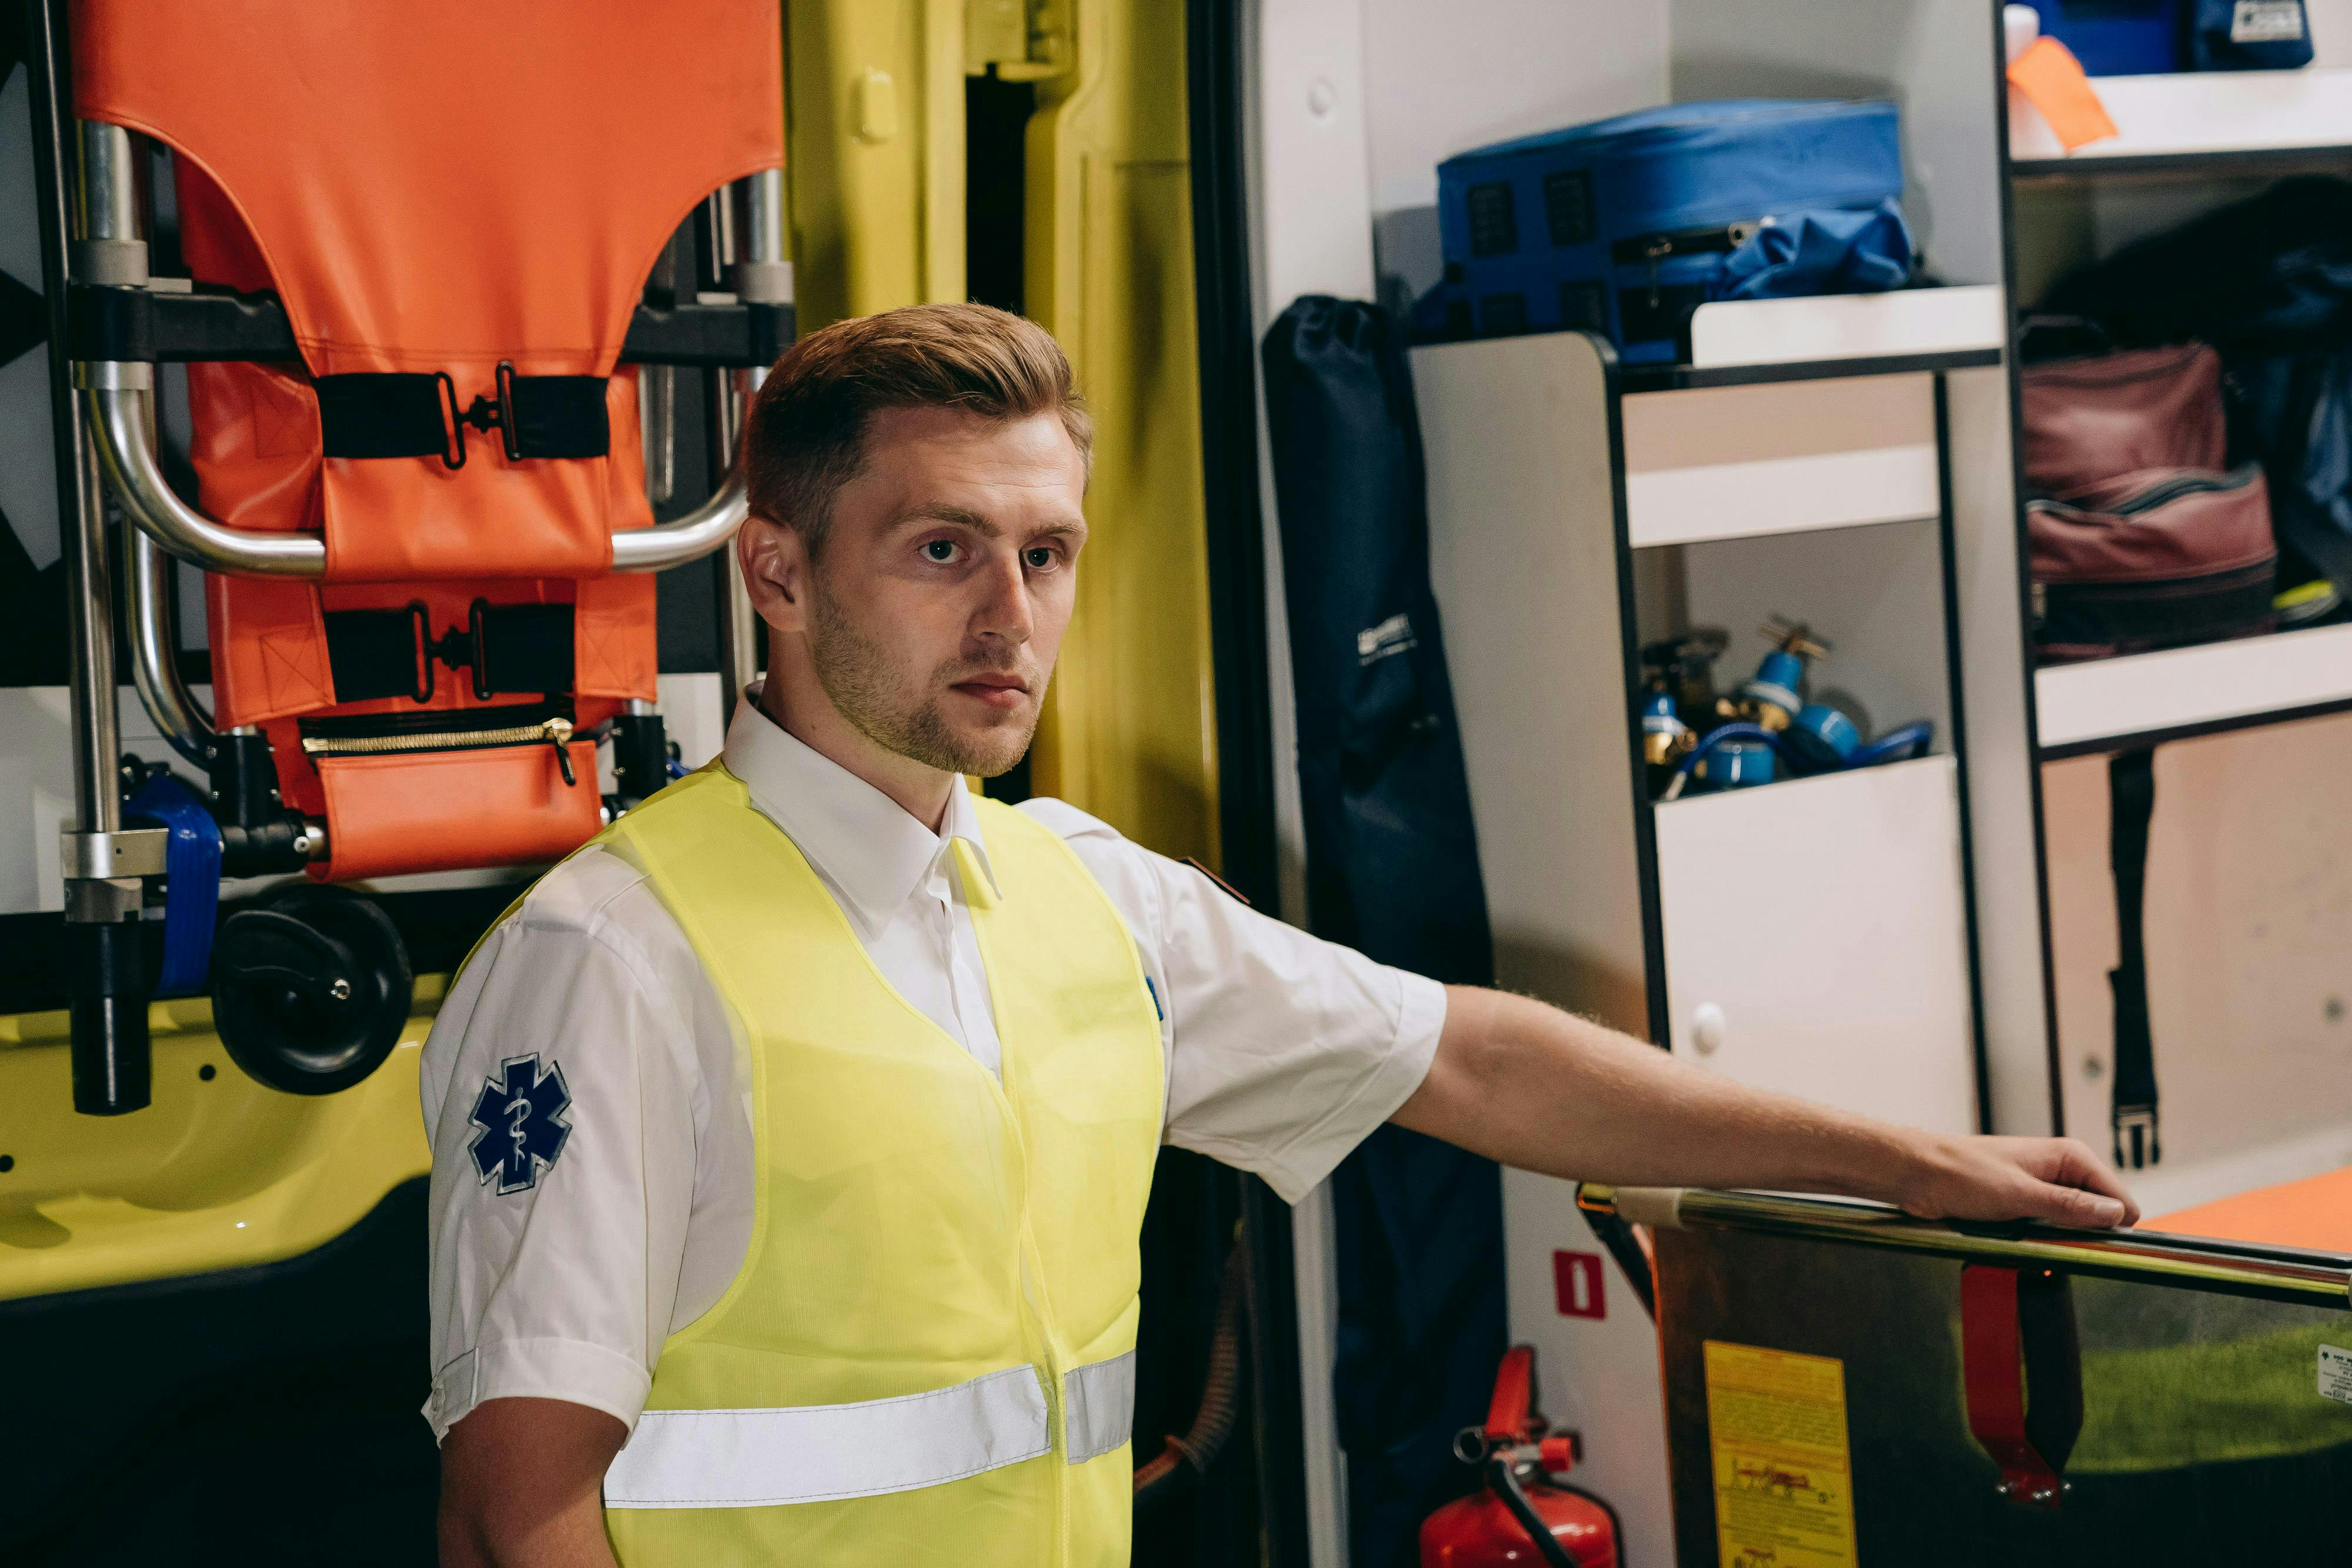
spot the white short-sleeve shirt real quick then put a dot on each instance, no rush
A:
(573, 1234)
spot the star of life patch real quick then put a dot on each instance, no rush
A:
(522, 1128)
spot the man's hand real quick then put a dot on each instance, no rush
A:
(2053, 1179)
(1534, 1087)
(523, 1485)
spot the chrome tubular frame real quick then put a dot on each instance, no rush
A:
(152, 625)
(2233, 1268)
(118, 402)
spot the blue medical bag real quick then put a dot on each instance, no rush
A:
(2116, 37)
(1625, 226)
(2153, 37)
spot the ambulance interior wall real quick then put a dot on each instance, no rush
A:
(2248, 906)
(1442, 79)
(1493, 69)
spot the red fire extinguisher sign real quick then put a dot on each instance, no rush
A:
(1576, 1277)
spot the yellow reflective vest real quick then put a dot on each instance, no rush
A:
(929, 1356)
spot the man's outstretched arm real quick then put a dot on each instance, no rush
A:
(523, 1486)
(1529, 1085)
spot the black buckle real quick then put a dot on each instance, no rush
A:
(453, 452)
(545, 416)
(460, 648)
(506, 647)
(487, 414)
(423, 625)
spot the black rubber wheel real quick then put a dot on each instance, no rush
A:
(311, 990)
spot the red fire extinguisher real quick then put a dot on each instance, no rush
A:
(1525, 1515)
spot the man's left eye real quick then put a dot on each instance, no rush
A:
(1039, 557)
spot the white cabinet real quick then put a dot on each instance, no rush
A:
(1816, 940)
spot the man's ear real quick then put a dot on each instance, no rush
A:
(775, 565)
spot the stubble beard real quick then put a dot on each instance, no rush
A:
(856, 673)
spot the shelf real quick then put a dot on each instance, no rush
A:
(1743, 342)
(1736, 462)
(2196, 122)
(2109, 704)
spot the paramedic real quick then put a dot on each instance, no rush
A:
(790, 1142)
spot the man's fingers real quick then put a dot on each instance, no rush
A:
(2082, 1168)
(2084, 1209)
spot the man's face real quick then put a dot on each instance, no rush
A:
(937, 604)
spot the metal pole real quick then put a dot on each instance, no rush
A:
(763, 275)
(103, 866)
(739, 624)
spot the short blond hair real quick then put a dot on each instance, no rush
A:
(805, 434)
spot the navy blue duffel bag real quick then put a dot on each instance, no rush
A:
(1625, 226)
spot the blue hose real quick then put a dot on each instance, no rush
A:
(1895, 746)
(191, 869)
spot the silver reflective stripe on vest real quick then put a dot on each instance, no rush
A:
(1098, 1406)
(810, 1453)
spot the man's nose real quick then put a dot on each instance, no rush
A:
(1005, 611)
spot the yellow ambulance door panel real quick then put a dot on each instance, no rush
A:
(1129, 731)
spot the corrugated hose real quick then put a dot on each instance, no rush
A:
(1188, 1457)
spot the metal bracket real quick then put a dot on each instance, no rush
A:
(103, 901)
(101, 857)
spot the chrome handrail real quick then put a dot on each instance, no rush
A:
(2235, 1267)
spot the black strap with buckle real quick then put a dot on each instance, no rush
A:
(507, 648)
(372, 414)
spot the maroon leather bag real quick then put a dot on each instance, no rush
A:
(2140, 540)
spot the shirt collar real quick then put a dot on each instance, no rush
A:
(864, 843)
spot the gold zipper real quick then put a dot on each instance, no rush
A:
(555, 732)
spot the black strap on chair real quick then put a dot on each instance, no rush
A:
(2131, 796)
(370, 413)
(517, 648)
(414, 414)
(378, 654)
(509, 648)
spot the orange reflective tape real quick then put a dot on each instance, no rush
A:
(2052, 80)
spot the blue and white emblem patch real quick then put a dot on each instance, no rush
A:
(520, 1115)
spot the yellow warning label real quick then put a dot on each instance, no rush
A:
(1783, 1481)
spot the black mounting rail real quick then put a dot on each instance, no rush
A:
(106, 321)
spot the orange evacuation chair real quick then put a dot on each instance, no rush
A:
(451, 211)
